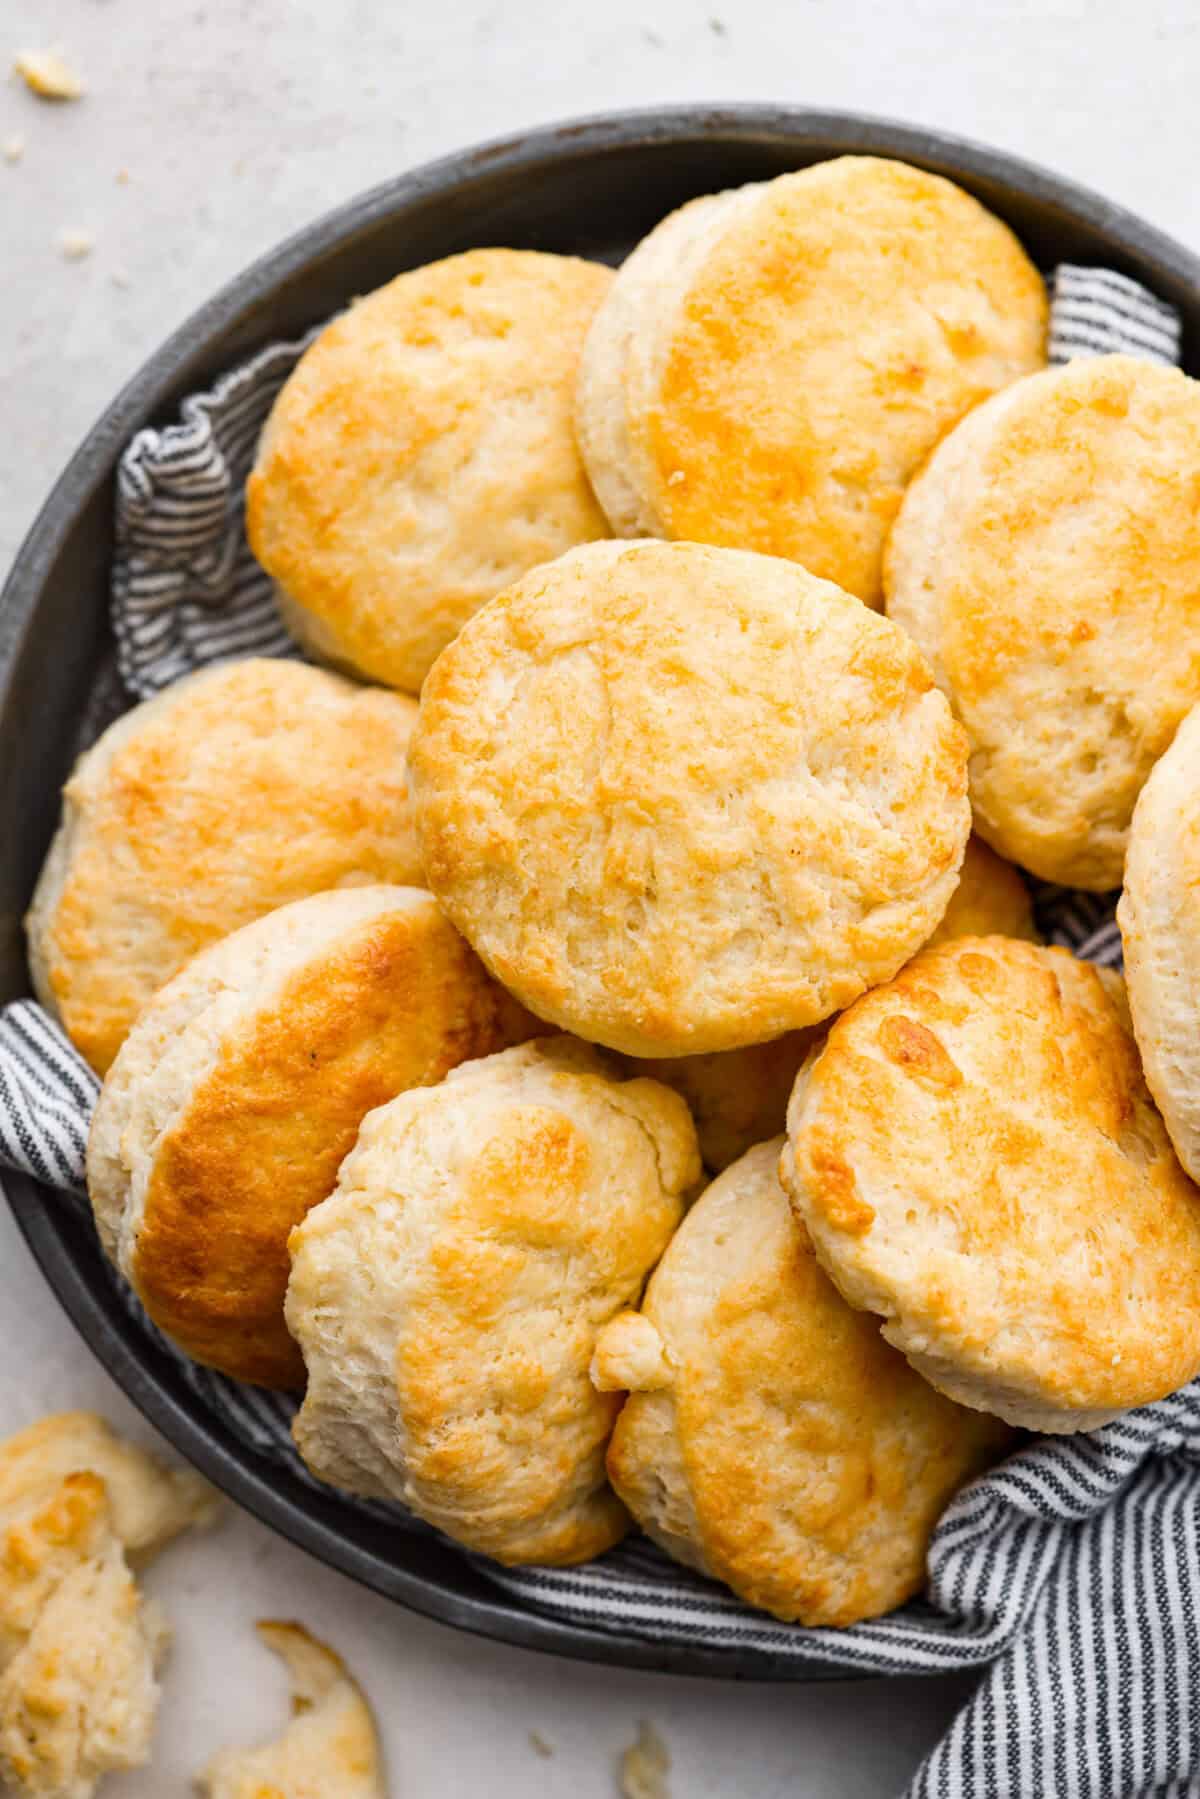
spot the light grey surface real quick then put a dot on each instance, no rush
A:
(237, 121)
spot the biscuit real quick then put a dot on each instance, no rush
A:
(242, 1085)
(770, 1431)
(682, 799)
(977, 1159)
(1046, 560)
(79, 1698)
(234, 791)
(330, 1749)
(1159, 915)
(991, 900)
(44, 1537)
(421, 457)
(448, 1294)
(772, 364)
(148, 1504)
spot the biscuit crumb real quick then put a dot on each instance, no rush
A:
(75, 245)
(47, 74)
(14, 149)
(122, 178)
(645, 1766)
(542, 1747)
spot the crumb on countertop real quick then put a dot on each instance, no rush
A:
(14, 149)
(47, 74)
(540, 1744)
(75, 245)
(122, 177)
(645, 1766)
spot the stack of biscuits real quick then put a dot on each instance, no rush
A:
(586, 1026)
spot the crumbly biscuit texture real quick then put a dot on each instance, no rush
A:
(149, 1504)
(78, 1699)
(241, 1087)
(978, 1160)
(1047, 560)
(772, 365)
(448, 1295)
(421, 456)
(806, 1461)
(330, 1749)
(684, 799)
(236, 790)
(1159, 915)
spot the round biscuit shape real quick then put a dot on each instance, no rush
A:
(448, 1295)
(234, 791)
(1047, 561)
(977, 1158)
(230, 1106)
(1159, 916)
(799, 1458)
(421, 456)
(772, 364)
(682, 799)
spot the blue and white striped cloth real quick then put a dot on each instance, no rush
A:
(1070, 1575)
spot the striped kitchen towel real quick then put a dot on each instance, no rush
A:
(1070, 1575)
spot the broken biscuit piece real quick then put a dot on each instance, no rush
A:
(150, 1504)
(329, 1750)
(78, 1646)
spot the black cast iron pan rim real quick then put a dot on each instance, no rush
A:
(270, 1492)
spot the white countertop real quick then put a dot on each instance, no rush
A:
(237, 121)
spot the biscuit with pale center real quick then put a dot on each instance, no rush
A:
(230, 793)
(682, 799)
(421, 456)
(1159, 915)
(772, 364)
(771, 1438)
(1047, 561)
(241, 1087)
(448, 1295)
(977, 1159)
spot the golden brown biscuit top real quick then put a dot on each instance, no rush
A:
(421, 456)
(236, 791)
(839, 328)
(978, 1158)
(682, 799)
(817, 1461)
(1062, 600)
(393, 1000)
